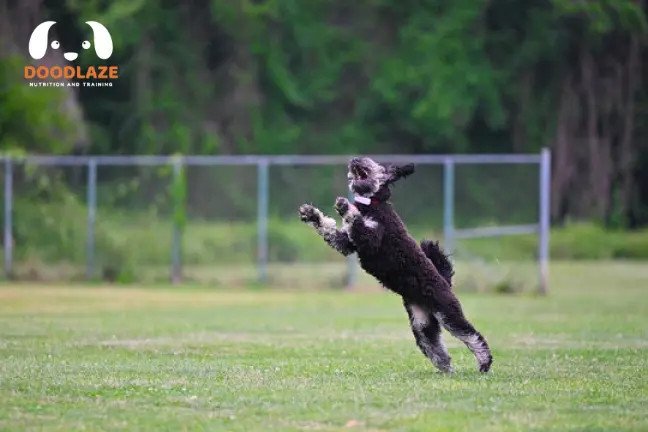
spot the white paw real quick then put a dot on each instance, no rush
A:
(309, 214)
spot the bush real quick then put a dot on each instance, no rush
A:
(580, 241)
(56, 234)
(53, 234)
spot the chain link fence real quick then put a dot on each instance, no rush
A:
(227, 221)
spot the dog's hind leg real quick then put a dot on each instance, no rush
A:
(427, 333)
(433, 251)
(452, 319)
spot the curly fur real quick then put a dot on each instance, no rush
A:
(440, 259)
(420, 274)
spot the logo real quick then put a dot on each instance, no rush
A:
(71, 75)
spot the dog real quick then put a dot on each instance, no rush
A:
(420, 274)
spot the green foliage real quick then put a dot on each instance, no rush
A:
(506, 287)
(30, 118)
(605, 16)
(50, 231)
(294, 77)
(438, 73)
(50, 226)
(579, 241)
(330, 76)
(283, 76)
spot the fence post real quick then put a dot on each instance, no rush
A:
(448, 204)
(352, 272)
(545, 220)
(8, 210)
(176, 245)
(92, 210)
(263, 192)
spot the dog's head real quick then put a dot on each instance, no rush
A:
(369, 178)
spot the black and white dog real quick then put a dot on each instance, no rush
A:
(420, 274)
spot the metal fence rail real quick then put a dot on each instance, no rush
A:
(262, 165)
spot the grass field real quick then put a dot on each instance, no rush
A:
(103, 358)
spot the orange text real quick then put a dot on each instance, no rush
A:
(70, 72)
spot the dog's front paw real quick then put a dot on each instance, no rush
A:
(342, 206)
(309, 214)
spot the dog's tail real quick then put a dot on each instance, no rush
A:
(433, 251)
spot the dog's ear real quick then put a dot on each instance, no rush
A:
(397, 172)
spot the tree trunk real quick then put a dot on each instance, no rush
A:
(627, 151)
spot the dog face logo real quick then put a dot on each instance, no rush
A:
(102, 42)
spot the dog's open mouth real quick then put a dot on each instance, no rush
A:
(359, 172)
(364, 176)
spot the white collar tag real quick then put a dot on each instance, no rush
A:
(362, 200)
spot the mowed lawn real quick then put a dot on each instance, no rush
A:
(104, 358)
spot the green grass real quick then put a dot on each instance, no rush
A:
(103, 358)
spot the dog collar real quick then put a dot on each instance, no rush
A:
(359, 199)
